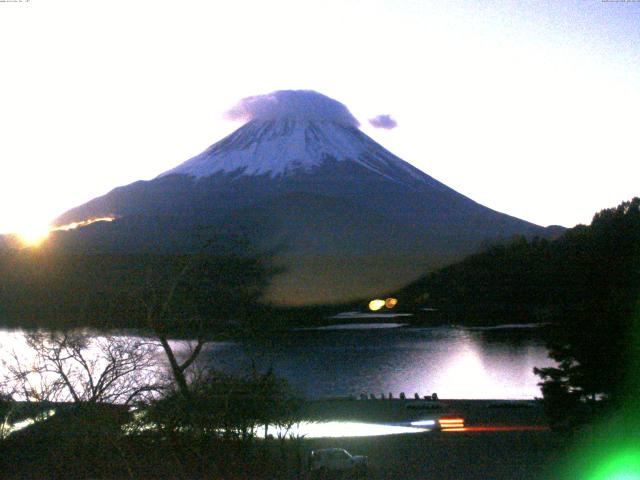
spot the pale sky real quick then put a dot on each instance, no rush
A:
(530, 108)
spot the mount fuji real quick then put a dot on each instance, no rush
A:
(346, 218)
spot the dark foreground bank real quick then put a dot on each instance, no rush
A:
(91, 444)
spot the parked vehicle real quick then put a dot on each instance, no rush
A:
(336, 460)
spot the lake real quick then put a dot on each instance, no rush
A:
(350, 360)
(457, 363)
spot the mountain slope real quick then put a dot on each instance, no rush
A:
(346, 217)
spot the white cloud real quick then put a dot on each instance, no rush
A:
(292, 104)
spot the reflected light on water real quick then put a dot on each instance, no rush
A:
(465, 372)
(453, 362)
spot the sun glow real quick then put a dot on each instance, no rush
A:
(34, 235)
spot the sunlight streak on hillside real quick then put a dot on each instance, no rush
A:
(34, 235)
(84, 223)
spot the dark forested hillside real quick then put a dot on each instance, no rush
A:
(107, 290)
(590, 271)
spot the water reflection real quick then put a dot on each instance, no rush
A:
(454, 362)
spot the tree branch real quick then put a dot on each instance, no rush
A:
(194, 355)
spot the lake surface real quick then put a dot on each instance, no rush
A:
(350, 360)
(453, 362)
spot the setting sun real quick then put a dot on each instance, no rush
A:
(33, 235)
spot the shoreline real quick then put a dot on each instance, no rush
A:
(472, 453)
(496, 412)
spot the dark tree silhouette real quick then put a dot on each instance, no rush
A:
(599, 282)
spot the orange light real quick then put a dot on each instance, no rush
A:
(449, 421)
(451, 424)
(390, 302)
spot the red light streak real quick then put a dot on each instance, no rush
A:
(457, 425)
(508, 428)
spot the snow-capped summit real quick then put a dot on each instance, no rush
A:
(291, 132)
(290, 146)
(347, 218)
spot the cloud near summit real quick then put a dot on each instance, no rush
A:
(383, 121)
(292, 104)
